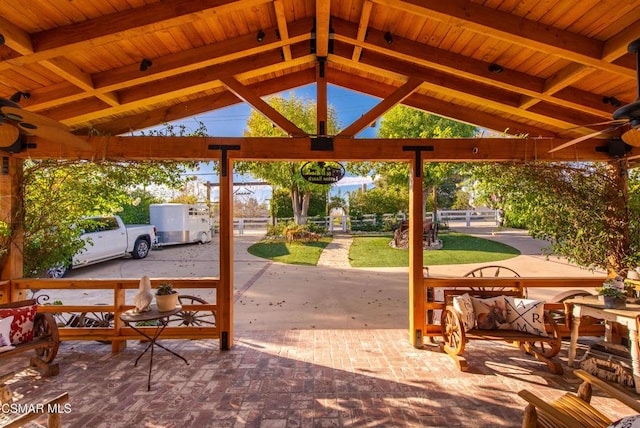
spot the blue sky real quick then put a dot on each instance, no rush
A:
(231, 122)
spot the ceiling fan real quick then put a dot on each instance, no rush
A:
(627, 116)
(16, 124)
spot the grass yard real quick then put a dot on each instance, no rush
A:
(374, 251)
(295, 253)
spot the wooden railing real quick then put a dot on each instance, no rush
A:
(435, 303)
(116, 332)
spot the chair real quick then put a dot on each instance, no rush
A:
(573, 410)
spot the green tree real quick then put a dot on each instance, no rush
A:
(586, 211)
(286, 175)
(406, 122)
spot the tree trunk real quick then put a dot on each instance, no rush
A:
(618, 220)
(300, 203)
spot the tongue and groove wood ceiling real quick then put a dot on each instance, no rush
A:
(543, 68)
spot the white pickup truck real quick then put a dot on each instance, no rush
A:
(109, 238)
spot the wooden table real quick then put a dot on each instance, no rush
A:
(130, 318)
(629, 316)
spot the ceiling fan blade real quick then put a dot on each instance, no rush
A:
(579, 139)
(632, 137)
(28, 120)
(8, 134)
(60, 136)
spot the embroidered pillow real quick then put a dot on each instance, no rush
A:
(5, 332)
(462, 305)
(22, 325)
(491, 314)
(526, 315)
(627, 422)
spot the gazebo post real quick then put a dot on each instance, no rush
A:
(225, 291)
(11, 211)
(417, 297)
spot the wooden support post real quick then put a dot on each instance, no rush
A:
(11, 212)
(225, 291)
(119, 300)
(417, 314)
(321, 96)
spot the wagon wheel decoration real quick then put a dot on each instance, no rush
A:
(491, 271)
(193, 317)
(43, 328)
(453, 333)
(549, 347)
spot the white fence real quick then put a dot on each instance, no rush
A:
(342, 223)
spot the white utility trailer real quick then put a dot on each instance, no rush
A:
(181, 223)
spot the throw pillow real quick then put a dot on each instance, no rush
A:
(22, 325)
(464, 306)
(491, 314)
(526, 315)
(627, 422)
(5, 332)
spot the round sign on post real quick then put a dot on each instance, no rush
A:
(322, 172)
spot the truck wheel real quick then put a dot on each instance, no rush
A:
(203, 238)
(140, 249)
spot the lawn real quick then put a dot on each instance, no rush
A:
(295, 253)
(374, 251)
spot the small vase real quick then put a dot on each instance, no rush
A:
(166, 302)
(614, 302)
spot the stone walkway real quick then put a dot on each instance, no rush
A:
(336, 254)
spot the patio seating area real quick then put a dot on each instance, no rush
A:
(296, 378)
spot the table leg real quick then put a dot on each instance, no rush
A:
(575, 328)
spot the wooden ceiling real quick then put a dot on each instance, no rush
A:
(543, 68)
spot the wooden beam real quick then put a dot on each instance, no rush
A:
(465, 67)
(284, 148)
(363, 25)
(480, 95)
(130, 23)
(433, 105)
(197, 106)
(323, 17)
(15, 37)
(382, 107)
(513, 29)
(256, 102)
(283, 29)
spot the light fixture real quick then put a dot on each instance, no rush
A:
(260, 36)
(16, 97)
(145, 64)
(495, 68)
(612, 100)
(388, 38)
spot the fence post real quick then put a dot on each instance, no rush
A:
(467, 216)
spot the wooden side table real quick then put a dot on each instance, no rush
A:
(130, 318)
(629, 316)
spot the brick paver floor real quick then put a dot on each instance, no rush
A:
(294, 378)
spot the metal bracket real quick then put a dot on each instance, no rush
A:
(418, 153)
(223, 155)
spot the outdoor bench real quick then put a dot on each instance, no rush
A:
(42, 337)
(532, 327)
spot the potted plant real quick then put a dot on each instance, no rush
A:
(166, 297)
(613, 292)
